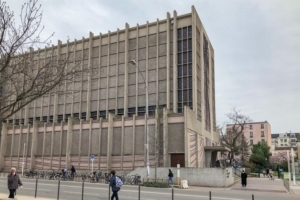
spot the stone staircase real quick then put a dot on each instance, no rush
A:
(236, 178)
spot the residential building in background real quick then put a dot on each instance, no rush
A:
(284, 141)
(257, 132)
(106, 117)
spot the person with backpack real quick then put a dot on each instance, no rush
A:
(170, 175)
(115, 184)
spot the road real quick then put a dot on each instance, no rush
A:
(97, 191)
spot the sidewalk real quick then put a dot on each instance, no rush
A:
(262, 185)
(295, 189)
(20, 197)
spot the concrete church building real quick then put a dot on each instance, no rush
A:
(108, 119)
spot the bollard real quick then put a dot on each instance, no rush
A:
(58, 189)
(36, 183)
(252, 196)
(108, 192)
(139, 192)
(172, 194)
(82, 190)
(209, 195)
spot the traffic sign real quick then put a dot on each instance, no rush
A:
(92, 157)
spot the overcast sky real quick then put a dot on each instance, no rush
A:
(256, 43)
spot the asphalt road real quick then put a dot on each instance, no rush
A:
(96, 191)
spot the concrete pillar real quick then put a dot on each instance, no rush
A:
(194, 53)
(44, 144)
(157, 63)
(298, 146)
(3, 144)
(110, 139)
(34, 143)
(165, 141)
(137, 71)
(133, 142)
(69, 142)
(168, 60)
(126, 70)
(52, 145)
(80, 144)
(175, 84)
(186, 140)
(88, 99)
(99, 76)
(100, 135)
(59, 43)
(122, 142)
(107, 73)
(90, 144)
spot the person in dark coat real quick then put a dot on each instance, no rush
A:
(13, 183)
(244, 178)
(113, 186)
(170, 175)
(73, 171)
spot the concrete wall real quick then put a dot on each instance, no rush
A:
(210, 177)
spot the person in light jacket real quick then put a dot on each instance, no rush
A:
(13, 183)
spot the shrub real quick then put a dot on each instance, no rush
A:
(155, 184)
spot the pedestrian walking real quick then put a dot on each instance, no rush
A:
(73, 171)
(13, 183)
(170, 175)
(115, 184)
(244, 178)
(267, 172)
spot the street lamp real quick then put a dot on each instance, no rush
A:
(133, 62)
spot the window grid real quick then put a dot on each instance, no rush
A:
(184, 64)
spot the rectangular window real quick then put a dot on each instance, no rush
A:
(281, 145)
(131, 112)
(94, 115)
(251, 142)
(285, 140)
(262, 126)
(59, 118)
(250, 127)
(281, 140)
(102, 114)
(184, 68)
(83, 115)
(262, 134)
(263, 140)
(251, 134)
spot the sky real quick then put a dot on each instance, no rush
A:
(256, 44)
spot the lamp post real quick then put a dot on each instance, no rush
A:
(133, 62)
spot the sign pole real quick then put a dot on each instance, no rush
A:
(178, 174)
(23, 159)
(293, 166)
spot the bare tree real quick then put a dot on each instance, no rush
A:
(232, 134)
(25, 74)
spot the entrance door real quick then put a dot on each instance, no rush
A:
(177, 158)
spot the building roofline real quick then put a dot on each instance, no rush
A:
(253, 123)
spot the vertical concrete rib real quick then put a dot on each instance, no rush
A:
(69, 142)
(12, 146)
(175, 81)
(20, 146)
(117, 73)
(165, 138)
(122, 142)
(137, 71)
(126, 70)
(52, 144)
(80, 144)
(90, 143)
(107, 71)
(56, 95)
(133, 142)
(60, 142)
(110, 139)
(99, 146)
(44, 144)
(73, 79)
(3, 144)
(157, 56)
(65, 84)
(34, 143)
(194, 53)
(99, 76)
(82, 79)
(88, 99)
(168, 60)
